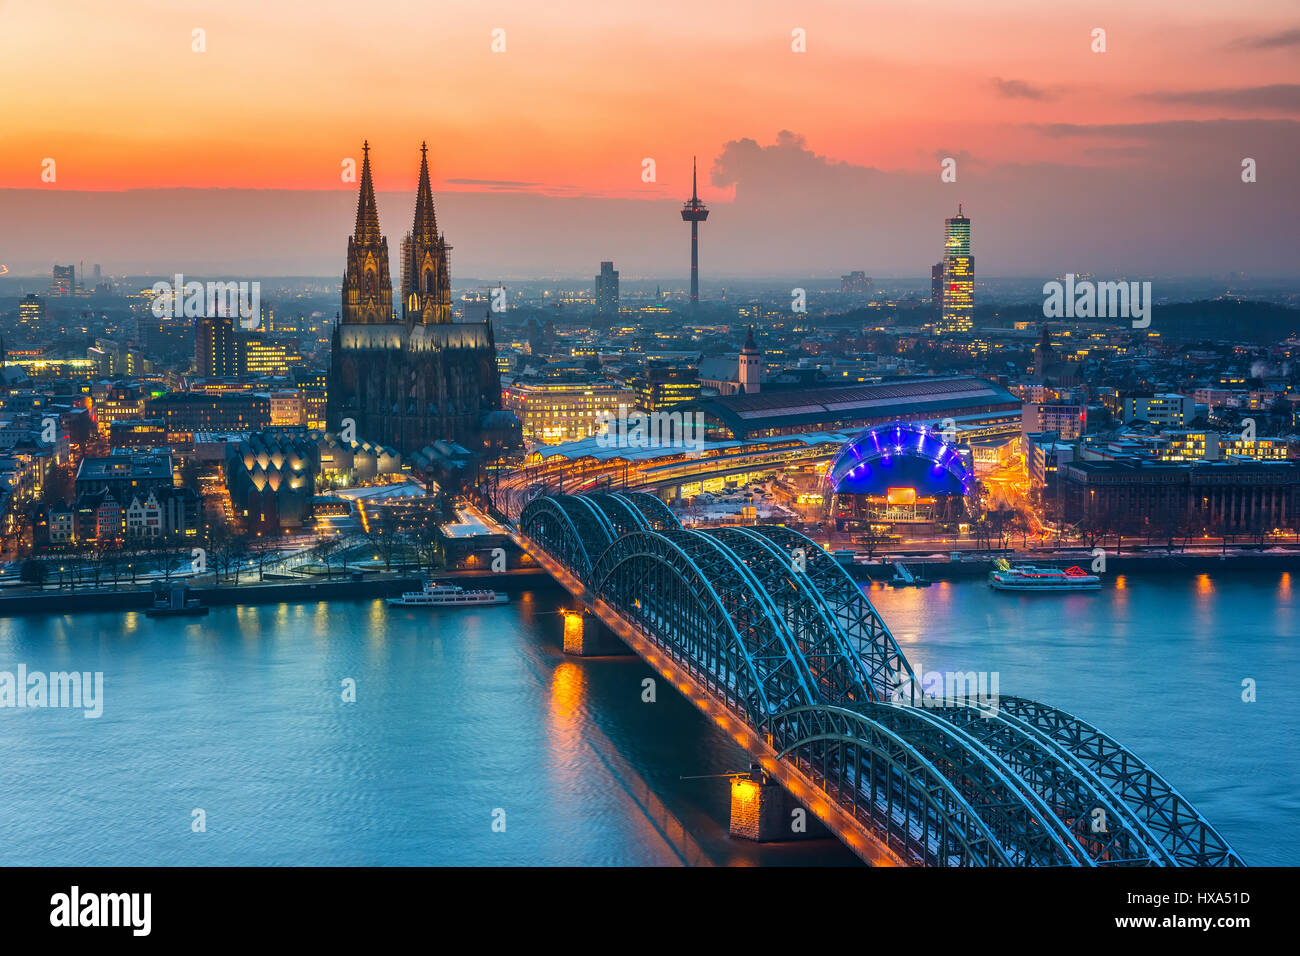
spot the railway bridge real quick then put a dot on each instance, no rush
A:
(769, 636)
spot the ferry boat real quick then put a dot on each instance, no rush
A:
(437, 594)
(1004, 577)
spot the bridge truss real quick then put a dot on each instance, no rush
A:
(776, 632)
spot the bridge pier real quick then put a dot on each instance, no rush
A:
(762, 811)
(586, 635)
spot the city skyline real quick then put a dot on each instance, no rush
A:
(541, 171)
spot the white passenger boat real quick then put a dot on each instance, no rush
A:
(438, 594)
(1005, 577)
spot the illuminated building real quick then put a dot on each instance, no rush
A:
(607, 290)
(63, 280)
(137, 435)
(958, 312)
(560, 411)
(849, 408)
(411, 381)
(188, 412)
(1259, 449)
(261, 357)
(899, 473)
(1166, 409)
(287, 408)
(664, 385)
(1235, 495)
(1068, 420)
(31, 312)
(214, 346)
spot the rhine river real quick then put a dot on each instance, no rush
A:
(467, 717)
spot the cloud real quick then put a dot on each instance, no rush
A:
(1284, 97)
(495, 183)
(1021, 90)
(1269, 41)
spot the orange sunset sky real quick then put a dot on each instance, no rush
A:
(285, 91)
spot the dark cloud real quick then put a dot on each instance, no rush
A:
(1269, 41)
(1284, 97)
(1021, 90)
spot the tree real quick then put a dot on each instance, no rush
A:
(33, 571)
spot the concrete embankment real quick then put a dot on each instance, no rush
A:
(937, 569)
(140, 597)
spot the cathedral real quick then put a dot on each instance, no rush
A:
(412, 381)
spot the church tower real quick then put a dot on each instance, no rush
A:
(367, 289)
(751, 368)
(426, 284)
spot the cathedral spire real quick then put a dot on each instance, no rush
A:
(367, 214)
(426, 222)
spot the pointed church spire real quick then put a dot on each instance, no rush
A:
(367, 214)
(426, 222)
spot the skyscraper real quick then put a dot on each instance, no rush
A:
(958, 312)
(694, 212)
(936, 288)
(63, 280)
(214, 346)
(607, 290)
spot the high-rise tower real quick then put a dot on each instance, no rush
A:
(367, 289)
(694, 212)
(958, 311)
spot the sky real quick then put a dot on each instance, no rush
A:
(169, 157)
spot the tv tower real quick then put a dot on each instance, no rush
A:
(694, 212)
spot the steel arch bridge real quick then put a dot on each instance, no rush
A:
(772, 634)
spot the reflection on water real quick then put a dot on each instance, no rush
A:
(461, 712)
(1157, 662)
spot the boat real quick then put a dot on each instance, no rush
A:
(174, 601)
(1005, 577)
(439, 594)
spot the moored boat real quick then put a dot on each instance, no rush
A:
(439, 594)
(1005, 577)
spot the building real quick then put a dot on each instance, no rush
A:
(408, 382)
(1233, 496)
(899, 473)
(271, 477)
(936, 288)
(731, 376)
(188, 412)
(666, 384)
(1168, 409)
(124, 476)
(855, 283)
(607, 290)
(973, 403)
(261, 356)
(31, 313)
(63, 280)
(958, 312)
(1068, 420)
(214, 347)
(138, 435)
(287, 407)
(552, 412)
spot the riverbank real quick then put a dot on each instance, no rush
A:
(1178, 563)
(140, 597)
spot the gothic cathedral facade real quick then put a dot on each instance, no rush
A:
(409, 381)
